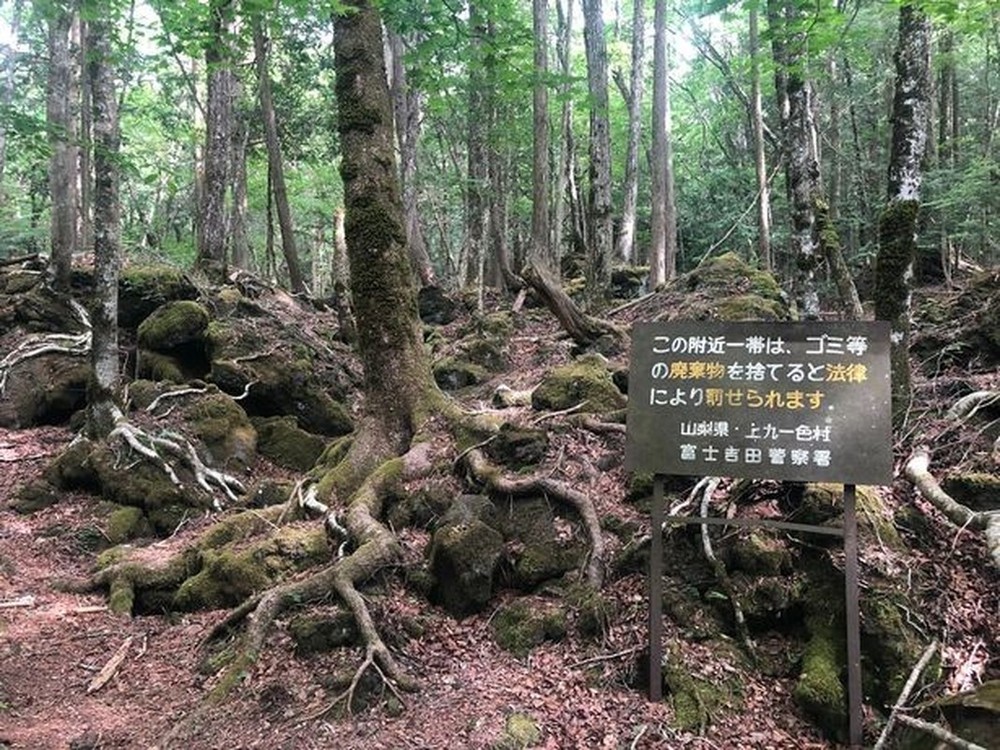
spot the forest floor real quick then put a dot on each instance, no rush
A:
(54, 644)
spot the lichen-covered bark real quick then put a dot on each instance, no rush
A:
(102, 410)
(626, 237)
(213, 236)
(600, 208)
(62, 141)
(898, 222)
(397, 375)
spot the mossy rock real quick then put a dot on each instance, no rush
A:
(464, 558)
(320, 633)
(34, 496)
(452, 374)
(520, 626)
(585, 382)
(72, 469)
(485, 353)
(281, 440)
(143, 288)
(518, 447)
(750, 307)
(47, 389)
(819, 691)
(142, 485)
(628, 282)
(435, 307)
(280, 386)
(769, 602)
(760, 553)
(228, 575)
(142, 392)
(172, 325)
(161, 367)
(592, 611)
(227, 437)
(889, 644)
(695, 700)
(126, 522)
(19, 282)
(540, 553)
(978, 490)
(520, 732)
(269, 493)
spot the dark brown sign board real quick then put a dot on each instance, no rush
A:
(788, 401)
(804, 401)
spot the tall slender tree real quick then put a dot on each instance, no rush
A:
(540, 207)
(275, 162)
(103, 410)
(663, 217)
(214, 235)
(760, 158)
(626, 235)
(62, 141)
(898, 222)
(599, 207)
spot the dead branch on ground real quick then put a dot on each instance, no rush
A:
(939, 733)
(904, 694)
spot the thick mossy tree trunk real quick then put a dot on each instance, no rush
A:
(397, 374)
(898, 222)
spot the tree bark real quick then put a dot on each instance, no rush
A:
(561, 196)
(397, 375)
(214, 234)
(62, 141)
(240, 251)
(600, 240)
(760, 159)
(898, 222)
(477, 167)
(663, 217)
(7, 91)
(275, 161)
(102, 408)
(626, 235)
(408, 112)
(539, 250)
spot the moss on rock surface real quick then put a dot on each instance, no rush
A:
(819, 691)
(585, 383)
(143, 288)
(223, 428)
(281, 440)
(464, 558)
(172, 325)
(521, 625)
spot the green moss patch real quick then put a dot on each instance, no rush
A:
(520, 626)
(585, 383)
(281, 440)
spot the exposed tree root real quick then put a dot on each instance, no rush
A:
(988, 522)
(707, 487)
(152, 446)
(486, 473)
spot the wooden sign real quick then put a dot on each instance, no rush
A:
(789, 401)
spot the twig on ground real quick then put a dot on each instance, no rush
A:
(904, 694)
(108, 671)
(938, 732)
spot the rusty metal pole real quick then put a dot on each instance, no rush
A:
(656, 595)
(853, 617)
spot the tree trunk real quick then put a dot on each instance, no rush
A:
(626, 236)
(240, 254)
(408, 111)
(760, 160)
(477, 167)
(539, 249)
(397, 375)
(898, 222)
(103, 410)
(565, 162)
(7, 91)
(212, 249)
(662, 260)
(275, 162)
(85, 183)
(600, 245)
(62, 140)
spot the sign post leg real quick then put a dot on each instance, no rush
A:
(856, 731)
(656, 595)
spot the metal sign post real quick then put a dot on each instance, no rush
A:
(785, 401)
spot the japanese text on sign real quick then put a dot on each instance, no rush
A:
(805, 401)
